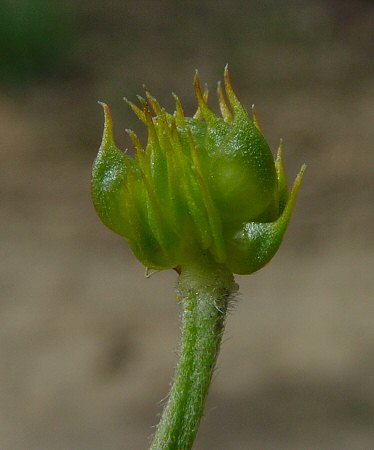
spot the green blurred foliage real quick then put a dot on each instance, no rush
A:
(35, 37)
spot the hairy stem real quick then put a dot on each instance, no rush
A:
(204, 290)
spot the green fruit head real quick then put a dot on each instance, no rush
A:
(205, 184)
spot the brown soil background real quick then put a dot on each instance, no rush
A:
(87, 344)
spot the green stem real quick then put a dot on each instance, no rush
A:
(204, 290)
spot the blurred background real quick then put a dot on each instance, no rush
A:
(87, 344)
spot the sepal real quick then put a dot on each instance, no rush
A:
(255, 244)
(108, 181)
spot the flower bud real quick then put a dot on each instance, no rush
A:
(205, 184)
